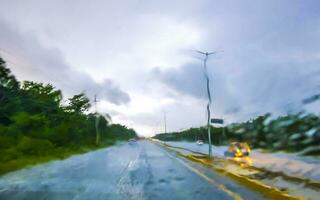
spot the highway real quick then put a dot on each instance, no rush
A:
(140, 170)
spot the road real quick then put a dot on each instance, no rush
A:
(142, 170)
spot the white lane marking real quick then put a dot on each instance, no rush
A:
(3, 190)
(126, 187)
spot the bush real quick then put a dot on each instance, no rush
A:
(6, 142)
(31, 146)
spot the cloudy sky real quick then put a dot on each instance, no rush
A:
(139, 56)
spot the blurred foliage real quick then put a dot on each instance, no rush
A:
(299, 132)
(35, 126)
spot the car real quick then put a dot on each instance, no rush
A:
(199, 142)
(132, 141)
(238, 149)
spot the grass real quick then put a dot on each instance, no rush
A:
(23, 161)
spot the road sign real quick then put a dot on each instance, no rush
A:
(217, 121)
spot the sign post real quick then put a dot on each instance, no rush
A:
(218, 121)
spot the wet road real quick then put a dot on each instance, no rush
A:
(289, 163)
(142, 170)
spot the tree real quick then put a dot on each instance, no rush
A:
(78, 103)
(34, 123)
(7, 80)
(43, 92)
(9, 89)
(40, 98)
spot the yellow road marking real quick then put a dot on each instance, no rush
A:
(234, 195)
(268, 191)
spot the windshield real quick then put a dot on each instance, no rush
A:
(159, 99)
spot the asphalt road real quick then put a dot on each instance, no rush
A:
(142, 170)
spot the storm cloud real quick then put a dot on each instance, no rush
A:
(140, 55)
(276, 87)
(31, 60)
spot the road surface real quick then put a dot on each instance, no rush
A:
(142, 170)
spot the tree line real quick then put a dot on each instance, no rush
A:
(35, 123)
(296, 132)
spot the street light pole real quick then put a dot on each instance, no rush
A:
(207, 54)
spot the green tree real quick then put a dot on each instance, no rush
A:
(43, 92)
(40, 98)
(7, 80)
(9, 94)
(78, 103)
(34, 124)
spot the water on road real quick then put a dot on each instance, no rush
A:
(288, 163)
(141, 170)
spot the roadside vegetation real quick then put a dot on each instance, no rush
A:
(298, 132)
(36, 127)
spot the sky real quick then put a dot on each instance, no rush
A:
(139, 56)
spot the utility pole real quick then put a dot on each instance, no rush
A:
(207, 54)
(165, 121)
(96, 120)
(95, 103)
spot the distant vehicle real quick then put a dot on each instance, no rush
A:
(238, 149)
(199, 142)
(132, 141)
